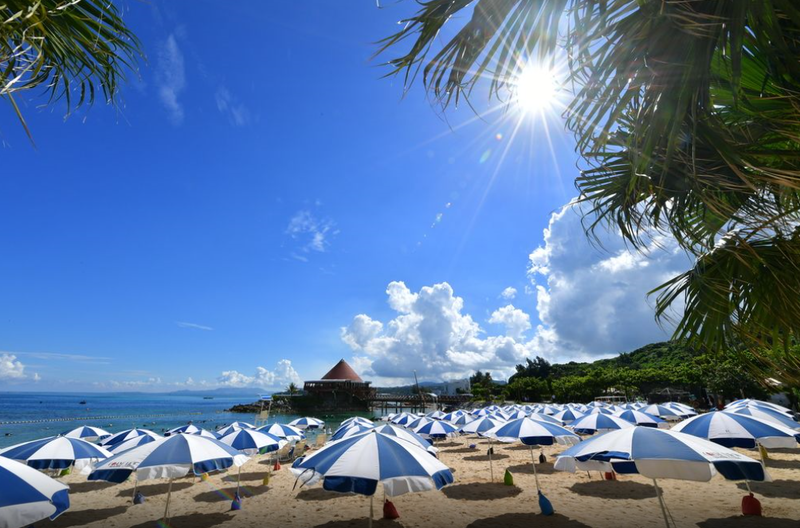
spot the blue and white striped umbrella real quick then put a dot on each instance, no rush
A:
(436, 415)
(56, 452)
(408, 436)
(768, 416)
(759, 404)
(640, 418)
(662, 412)
(592, 423)
(481, 425)
(136, 441)
(451, 417)
(28, 496)
(403, 418)
(567, 416)
(437, 429)
(171, 457)
(532, 432)
(660, 453)
(235, 426)
(358, 463)
(307, 423)
(599, 410)
(539, 417)
(252, 442)
(683, 410)
(128, 434)
(348, 431)
(287, 432)
(191, 429)
(85, 432)
(419, 422)
(737, 430)
(357, 420)
(462, 420)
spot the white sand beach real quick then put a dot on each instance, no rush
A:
(580, 500)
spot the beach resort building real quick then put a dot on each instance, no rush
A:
(340, 389)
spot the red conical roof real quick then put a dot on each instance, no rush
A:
(342, 371)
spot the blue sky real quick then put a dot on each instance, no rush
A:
(238, 220)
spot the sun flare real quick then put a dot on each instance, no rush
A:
(535, 89)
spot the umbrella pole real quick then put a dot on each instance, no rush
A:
(661, 503)
(135, 484)
(533, 463)
(747, 483)
(169, 492)
(491, 465)
(370, 510)
(238, 479)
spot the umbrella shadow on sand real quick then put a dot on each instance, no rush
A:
(780, 489)
(485, 458)
(250, 475)
(228, 494)
(84, 487)
(359, 523)
(154, 489)
(526, 469)
(479, 491)
(84, 517)
(319, 494)
(742, 521)
(194, 520)
(614, 489)
(526, 520)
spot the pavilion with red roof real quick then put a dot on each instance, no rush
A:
(340, 389)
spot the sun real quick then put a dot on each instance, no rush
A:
(535, 89)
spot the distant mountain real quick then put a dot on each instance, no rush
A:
(224, 391)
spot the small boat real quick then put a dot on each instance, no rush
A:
(82, 402)
(208, 397)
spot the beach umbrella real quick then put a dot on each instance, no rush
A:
(287, 432)
(171, 457)
(759, 404)
(662, 412)
(567, 416)
(251, 442)
(235, 426)
(462, 420)
(403, 418)
(346, 432)
(683, 410)
(408, 436)
(436, 429)
(136, 441)
(592, 423)
(595, 404)
(450, 417)
(640, 418)
(436, 415)
(479, 427)
(531, 433)
(539, 417)
(357, 464)
(56, 452)
(659, 453)
(737, 430)
(128, 434)
(768, 415)
(419, 422)
(28, 495)
(307, 423)
(85, 432)
(357, 420)
(599, 410)
(191, 430)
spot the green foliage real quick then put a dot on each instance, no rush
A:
(75, 50)
(687, 116)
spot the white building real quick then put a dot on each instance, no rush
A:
(451, 388)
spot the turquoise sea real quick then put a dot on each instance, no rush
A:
(26, 416)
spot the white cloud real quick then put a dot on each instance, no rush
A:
(594, 302)
(431, 335)
(276, 379)
(195, 326)
(509, 293)
(590, 304)
(11, 368)
(236, 112)
(171, 78)
(313, 233)
(515, 320)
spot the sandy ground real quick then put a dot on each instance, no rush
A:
(473, 501)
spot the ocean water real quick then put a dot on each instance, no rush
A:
(28, 416)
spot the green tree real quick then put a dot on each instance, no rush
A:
(292, 389)
(75, 50)
(687, 116)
